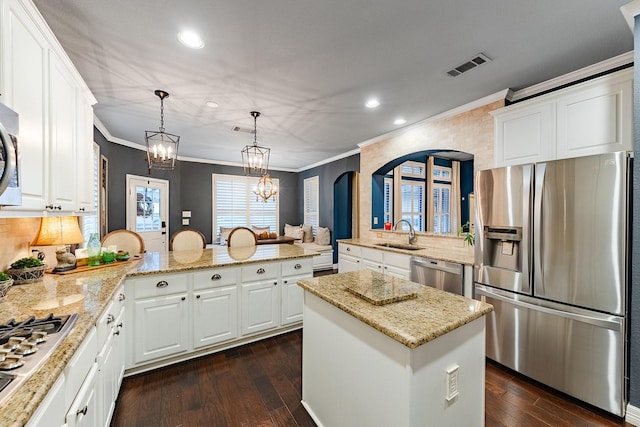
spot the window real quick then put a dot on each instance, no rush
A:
(90, 223)
(441, 187)
(235, 204)
(413, 204)
(388, 199)
(312, 203)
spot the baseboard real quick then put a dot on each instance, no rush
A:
(633, 415)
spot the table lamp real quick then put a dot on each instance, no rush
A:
(63, 231)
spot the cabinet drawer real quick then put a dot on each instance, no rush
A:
(397, 260)
(374, 255)
(296, 267)
(105, 323)
(260, 272)
(160, 285)
(349, 250)
(80, 364)
(215, 277)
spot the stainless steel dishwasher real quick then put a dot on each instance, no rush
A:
(444, 275)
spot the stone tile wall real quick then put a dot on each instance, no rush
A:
(471, 132)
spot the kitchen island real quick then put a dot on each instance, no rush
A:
(90, 294)
(416, 360)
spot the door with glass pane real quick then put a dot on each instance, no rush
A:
(148, 211)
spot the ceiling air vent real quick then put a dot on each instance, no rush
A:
(241, 129)
(469, 65)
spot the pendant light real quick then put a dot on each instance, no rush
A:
(265, 188)
(162, 147)
(255, 159)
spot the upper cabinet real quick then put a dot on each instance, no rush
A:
(55, 107)
(588, 118)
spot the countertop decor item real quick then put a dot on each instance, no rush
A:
(93, 250)
(5, 283)
(60, 231)
(26, 270)
(162, 147)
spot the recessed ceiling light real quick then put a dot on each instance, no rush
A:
(212, 104)
(372, 103)
(399, 121)
(190, 39)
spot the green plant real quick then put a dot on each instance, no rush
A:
(468, 234)
(28, 262)
(4, 277)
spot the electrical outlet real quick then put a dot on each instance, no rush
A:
(379, 235)
(452, 383)
(185, 221)
(375, 220)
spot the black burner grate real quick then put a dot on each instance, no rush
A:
(50, 324)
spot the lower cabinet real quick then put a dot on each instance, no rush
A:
(177, 315)
(354, 258)
(84, 410)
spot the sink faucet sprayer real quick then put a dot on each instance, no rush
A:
(412, 231)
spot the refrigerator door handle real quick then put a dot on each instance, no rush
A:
(602, 321)
(538, 244)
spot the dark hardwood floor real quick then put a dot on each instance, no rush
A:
(259, 384)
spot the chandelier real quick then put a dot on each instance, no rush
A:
(162, 147)
(255, 159)
(265, 188)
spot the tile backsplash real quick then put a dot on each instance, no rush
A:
(16, 235)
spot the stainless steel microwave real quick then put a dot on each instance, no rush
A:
(10, 179)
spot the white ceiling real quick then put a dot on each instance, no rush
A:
(309, 66)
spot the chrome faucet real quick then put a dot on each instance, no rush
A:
(412, 231)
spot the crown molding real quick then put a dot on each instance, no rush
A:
(329, 160)
(583, 73)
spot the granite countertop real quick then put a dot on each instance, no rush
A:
(442, 251)
(88, 294)
(412, 322)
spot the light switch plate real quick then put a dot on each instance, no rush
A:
(186, 214)
(185, 221)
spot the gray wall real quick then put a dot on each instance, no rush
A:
(634, 336)
(327, 175)
(189, 188)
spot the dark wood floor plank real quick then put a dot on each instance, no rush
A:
(260, 384)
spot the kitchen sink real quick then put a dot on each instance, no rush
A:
(400, 246)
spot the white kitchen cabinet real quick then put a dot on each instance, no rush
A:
(84, 409)
(52, 410)
(292, 295)
(215, 306)
(592, 117)
(41, 84)
(348, 258)
(86, 167)
(353, 258)
(260, 300)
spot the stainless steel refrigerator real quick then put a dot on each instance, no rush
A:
(552, 256)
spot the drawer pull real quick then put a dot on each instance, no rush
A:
(82, 411)
(286, 281)
(348, 249)
(183, 298)
(297, 266)
(275, 283)
(260, 271)
(121, 297)
(162, 284)
(119, 325)
(110, 318)
(197, 296)
(216, 277)
(117, 332)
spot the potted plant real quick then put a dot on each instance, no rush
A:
(467, 233)
(26, 270)
(5, 283)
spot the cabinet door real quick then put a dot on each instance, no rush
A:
(62, 153)
(86, 166)
(525, 134)
(596, 120)
(160, 327)
(292, 299)
(52, 410)
(348, 263)
(371, 265)
(260, 306)
(24, 62)
(105, 382)
(119, 349)
(390, 270)
(215, 316)
(84, 409)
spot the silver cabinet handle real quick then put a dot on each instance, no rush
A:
(162, 284)
(216, 277)
(121, 297)
(82, 411)
(297, 266)
(260, 271)
(110, 318)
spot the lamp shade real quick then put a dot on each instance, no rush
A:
(58, 230)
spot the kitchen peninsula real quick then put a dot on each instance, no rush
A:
(403, 355)
(108, 302)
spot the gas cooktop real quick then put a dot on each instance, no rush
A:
(25, 345)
